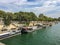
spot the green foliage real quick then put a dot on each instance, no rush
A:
(25, 17)
(42, 17)
(7, 20)
(59, 19)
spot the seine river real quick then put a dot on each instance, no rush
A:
(48, 36)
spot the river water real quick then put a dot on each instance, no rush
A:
(48, 36)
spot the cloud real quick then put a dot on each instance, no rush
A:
(25, 2)
(48, 7)
(7, 1)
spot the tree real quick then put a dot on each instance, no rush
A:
(2, 13)
(59, 19)
(42, 17)
(7, 19)
(25, 17)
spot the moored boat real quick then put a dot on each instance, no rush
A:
(24, 30)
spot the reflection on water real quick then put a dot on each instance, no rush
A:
(48, 36)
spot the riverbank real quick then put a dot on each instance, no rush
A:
(48, 36)
(8, 35)
(17, 33)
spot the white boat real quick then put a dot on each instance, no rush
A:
(4, 33)
(34, 27)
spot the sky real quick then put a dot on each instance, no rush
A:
(50, 8)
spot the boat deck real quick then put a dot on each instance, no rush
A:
(1, 43)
